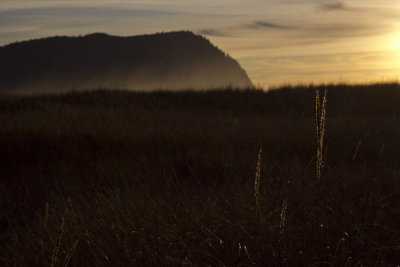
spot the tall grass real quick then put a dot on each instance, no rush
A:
(257, 182)
(320, 117)
(166, 179)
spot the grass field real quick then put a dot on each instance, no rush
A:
(176, 179)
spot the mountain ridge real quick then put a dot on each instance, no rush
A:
(173, 60)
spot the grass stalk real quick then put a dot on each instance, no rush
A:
(320, 118)
(257, 183)
(57, 247)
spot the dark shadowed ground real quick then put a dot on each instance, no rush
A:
(120, 178)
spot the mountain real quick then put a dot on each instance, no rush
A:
(174, 60)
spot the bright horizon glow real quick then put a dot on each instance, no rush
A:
(277, 42)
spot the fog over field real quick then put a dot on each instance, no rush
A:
(166, 61)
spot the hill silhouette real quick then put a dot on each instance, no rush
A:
(175, 60)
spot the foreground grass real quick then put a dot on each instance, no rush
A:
(124, 178)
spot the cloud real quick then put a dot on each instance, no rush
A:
(46, 21)
(14, 33)
(234, 30)
(294, 31)
(29, 13)
(266, 24)
(324, 30)
(334, 6)
(212, 32)
(343, 30)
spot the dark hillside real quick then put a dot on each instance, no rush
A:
(176, 60)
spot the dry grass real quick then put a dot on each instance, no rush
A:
(257, 182)
(166, 179)
(320, 118)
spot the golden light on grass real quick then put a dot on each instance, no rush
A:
(257, 181)
(282, 220)
(320, 115)
(57, 247)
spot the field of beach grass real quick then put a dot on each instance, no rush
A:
(213, 178)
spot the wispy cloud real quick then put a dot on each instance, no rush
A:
(28, 13)
(266, 24)
(334, 29)
(213, 32)
(44, 21)
(342, 30)
(334, 6)
(243, 28)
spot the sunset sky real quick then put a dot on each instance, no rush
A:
(276, 41)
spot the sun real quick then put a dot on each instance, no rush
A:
(392, 49)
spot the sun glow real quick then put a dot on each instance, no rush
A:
(396, 41)
(396, 50)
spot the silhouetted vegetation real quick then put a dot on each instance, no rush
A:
(122, 178)
(172, 60)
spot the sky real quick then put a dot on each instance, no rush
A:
(277, 42)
